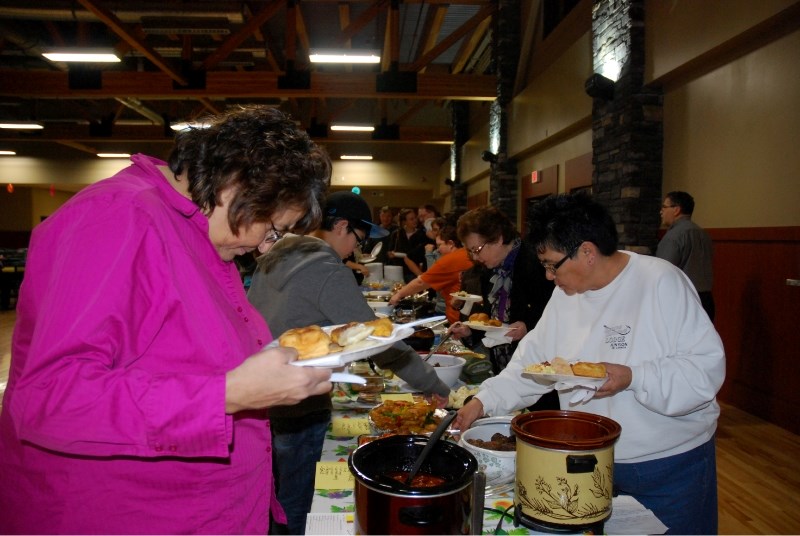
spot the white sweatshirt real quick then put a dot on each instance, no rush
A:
(648, 318)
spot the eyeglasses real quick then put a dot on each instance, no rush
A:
(476, 251)
(272, 236)
(553, 268)
(668, 206)
(359, 241)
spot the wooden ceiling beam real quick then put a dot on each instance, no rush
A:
(450, 40)
(253, 84)
(250, 27)
(119, 28)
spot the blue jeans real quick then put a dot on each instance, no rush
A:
(296, 449)
(680, 490)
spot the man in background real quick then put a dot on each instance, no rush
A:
(687, 245)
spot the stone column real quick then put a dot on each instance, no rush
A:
(459, 114)
(503, 180)
(627, 135)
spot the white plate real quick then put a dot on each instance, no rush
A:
(467, 298)
(361, 350)
(487, 328)
(565, 380)
(379, 293)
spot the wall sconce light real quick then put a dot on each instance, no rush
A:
(489, 156)
(598, 86)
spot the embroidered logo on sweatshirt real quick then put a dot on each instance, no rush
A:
(617, 336)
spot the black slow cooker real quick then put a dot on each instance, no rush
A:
(387, 506)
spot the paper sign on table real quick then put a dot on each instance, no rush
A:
(333, 475)
(350, 427)
(329, 524)
(407, 397)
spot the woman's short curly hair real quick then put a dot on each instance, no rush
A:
(489, 222)
(270, 162)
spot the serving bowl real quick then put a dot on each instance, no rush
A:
(447, 367)
(499, 465)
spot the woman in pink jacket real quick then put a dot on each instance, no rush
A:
(138, 388)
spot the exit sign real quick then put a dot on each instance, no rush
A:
(535, 177)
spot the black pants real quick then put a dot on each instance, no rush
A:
(707, 301)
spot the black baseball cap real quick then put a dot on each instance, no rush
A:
(354, 209)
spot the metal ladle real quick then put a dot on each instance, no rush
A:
(445, 422)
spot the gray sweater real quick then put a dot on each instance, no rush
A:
(302, 281)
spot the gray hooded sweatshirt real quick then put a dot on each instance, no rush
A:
(302, 281)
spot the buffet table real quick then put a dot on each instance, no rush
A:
(332, 511)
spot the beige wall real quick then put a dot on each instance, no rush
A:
(730, 136)
(554, 101)
(680, 30)
(67, 173)
(15, 209)
(731, 140)
(43, 204)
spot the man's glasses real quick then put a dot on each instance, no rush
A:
(359, 241)
(553, 268)
(668, 206)
(476, 251)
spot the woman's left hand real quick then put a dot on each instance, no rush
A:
(517, 330)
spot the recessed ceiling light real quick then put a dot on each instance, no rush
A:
(353, 128)
(344, 56)
(22, 125)
(356, 157)
(86, 55)
(114, 155)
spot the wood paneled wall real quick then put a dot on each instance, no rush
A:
(758, 318)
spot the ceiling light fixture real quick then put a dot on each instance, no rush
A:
(8, 153)
(114, 155)
(356, 157)
(353, 128)
(84, 55)
(183, 125)
(22, 125)
(344, 56)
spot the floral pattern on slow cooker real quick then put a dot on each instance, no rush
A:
(562, 502)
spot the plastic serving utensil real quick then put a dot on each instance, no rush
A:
(344, 377)
(445, 422)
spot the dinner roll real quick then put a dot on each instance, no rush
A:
(351, 333)
(479, 317)
(593, 370)
(383, 327)
(561, 366)
(309, 341)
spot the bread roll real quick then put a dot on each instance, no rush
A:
(493, 322)
(383, 327)
(479, 317)
(351, 333)
(561, 366)
(310, 341)
(592, 370)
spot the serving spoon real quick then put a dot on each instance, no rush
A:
(443, 424)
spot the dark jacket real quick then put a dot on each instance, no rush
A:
(302, 281)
